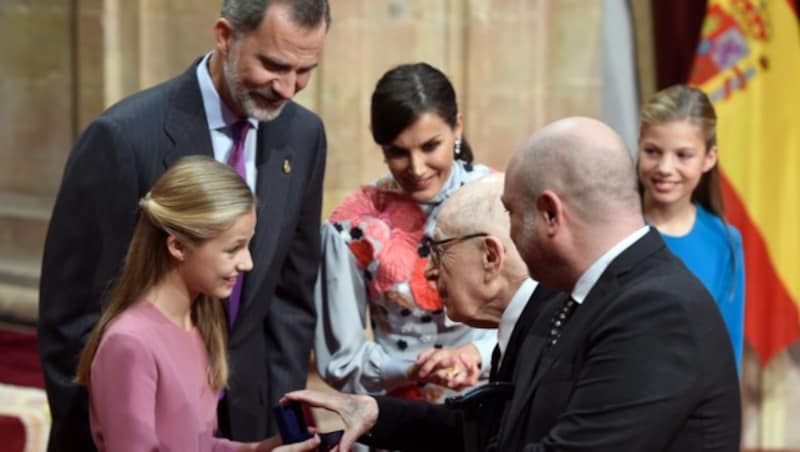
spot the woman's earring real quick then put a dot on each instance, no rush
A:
(457, 149)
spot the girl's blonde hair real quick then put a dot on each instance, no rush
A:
(194, 200)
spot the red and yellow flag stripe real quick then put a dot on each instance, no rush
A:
(748, 62)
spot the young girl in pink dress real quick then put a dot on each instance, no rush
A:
(155, 363)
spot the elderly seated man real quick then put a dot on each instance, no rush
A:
(484, 283)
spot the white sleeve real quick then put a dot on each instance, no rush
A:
(344, 358)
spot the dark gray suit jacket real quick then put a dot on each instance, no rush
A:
(114, 163)
(644, 364)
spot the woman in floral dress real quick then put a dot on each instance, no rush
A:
(374, 253)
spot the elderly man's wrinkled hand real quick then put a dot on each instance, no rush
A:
(358, 412)
(455, 368)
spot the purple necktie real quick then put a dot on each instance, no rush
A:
(236, 161)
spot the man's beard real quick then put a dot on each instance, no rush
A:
(242, 96)
(526, 243)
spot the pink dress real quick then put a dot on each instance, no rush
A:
(149, 389)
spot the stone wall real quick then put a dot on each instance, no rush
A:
(36, 127)
(516, 64)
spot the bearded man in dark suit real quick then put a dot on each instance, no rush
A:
(233, 104)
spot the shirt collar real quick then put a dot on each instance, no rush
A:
(514, 309)
(593, 273)
(218, 115)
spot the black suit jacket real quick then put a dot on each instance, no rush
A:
(421, 426)
(540, 298)
(644, 364)
(114, 163)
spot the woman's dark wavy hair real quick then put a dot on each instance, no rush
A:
(406, 92)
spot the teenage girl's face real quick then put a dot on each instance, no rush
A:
(672, 159)
(421, 157)
(211, 267)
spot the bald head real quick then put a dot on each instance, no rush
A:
(585, 162)
(571, 192)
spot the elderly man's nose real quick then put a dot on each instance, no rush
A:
(431, 271)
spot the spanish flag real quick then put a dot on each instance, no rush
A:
(748, 62)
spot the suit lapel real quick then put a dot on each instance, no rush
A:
(538, 301)
(185, 122)
(539, 358)
(574, 331)
(531, 360)
(273, 167)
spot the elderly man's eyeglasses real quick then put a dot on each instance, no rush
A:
(437, 247)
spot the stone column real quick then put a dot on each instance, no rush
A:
(37, 92)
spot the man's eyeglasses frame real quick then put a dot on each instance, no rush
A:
(435, 247)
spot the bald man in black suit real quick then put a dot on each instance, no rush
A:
(632, 356)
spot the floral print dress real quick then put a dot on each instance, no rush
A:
(372, 267)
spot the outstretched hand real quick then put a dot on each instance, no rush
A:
(455, 368)
(358, 412)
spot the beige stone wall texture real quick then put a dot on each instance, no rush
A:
(516, 64)
(36, 123)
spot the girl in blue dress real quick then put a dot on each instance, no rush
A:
(682, 197)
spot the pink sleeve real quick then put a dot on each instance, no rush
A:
(122, 391)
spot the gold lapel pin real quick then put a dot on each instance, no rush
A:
(287, 167)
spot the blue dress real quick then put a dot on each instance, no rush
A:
(707, 250)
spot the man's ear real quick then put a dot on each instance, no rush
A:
(550, 209)
(493, 257)
(176, 248)
(223, 35)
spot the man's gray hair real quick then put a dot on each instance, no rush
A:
(246, 15)
(476, 207)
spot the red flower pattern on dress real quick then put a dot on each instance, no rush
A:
(378, 231)
(424, 291)
(396, 259)
(362, 250)
(394, 238)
